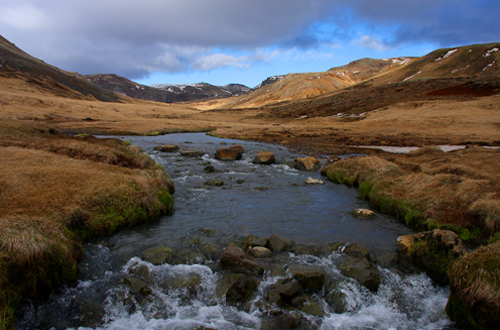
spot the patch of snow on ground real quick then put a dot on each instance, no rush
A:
(451, 52)
(488, 66)
(489, 52)
(400, 60)
(419, 72)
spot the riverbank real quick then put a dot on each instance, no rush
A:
(59, 191)
(431, 189)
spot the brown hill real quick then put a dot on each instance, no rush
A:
(15, 63)
(478, 61)
(303, 85)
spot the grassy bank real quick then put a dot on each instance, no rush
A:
(458, 191)
(430, 189)
(57, 192)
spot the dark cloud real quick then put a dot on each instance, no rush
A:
(134, 38)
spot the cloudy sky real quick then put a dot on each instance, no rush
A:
(237, 41)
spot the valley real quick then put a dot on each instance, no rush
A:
(448, 97)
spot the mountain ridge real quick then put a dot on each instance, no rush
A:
(165, 93)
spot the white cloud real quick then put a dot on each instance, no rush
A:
(24, 17)
(372, 43)
(220, 60)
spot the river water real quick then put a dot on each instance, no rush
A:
(254, 199)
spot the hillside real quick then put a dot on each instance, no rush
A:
(165, 93)
(478, 61)
(15, 63)
(295, 86)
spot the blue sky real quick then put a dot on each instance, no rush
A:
(237, 41)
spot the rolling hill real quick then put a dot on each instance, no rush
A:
(454, 65)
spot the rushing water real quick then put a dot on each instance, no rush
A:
(255, 199)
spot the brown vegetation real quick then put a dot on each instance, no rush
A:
(56, 191)
(429, 188)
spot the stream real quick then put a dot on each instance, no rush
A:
(260, 200)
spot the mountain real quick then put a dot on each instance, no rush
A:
(15, 63)
(203, 91)
(452, 74)
(454, 67)
(165, 93)
(303, 85)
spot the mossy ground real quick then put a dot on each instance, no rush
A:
(58, 192)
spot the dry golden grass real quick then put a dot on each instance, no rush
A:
(57, 190)
(459, 189)
(475, 289)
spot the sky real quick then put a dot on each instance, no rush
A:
(237, 41)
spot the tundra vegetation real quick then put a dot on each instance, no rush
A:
(57, 192)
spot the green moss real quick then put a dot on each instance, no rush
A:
(464, 233)
(432, 259)
(341, 176)
(365, 189)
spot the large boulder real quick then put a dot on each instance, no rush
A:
(167, 148)
(264, 158)
(432, 252)
(307, 164)
(233, 258)
(310, 278)
(230, 153)
(363, 271)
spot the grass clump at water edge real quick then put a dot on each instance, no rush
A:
(57, 192)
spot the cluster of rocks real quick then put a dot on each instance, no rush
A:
(299, 290)
(235, 152)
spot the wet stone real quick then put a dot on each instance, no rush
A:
(211, 251)
(192, 153)
(159, 254)
(238, 287)
(363, 213)
(278, 243)
(167, 148)
(216, 183)
(363, 271)
(310, 278)
(264, 158)
(230, 153)
(209, 169)
(282, 322)
(290, 289)
(356, 250)
(261, 252)
(253, 240)
(137, 285)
